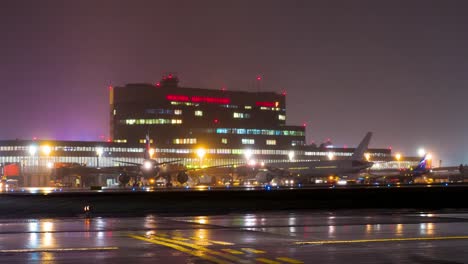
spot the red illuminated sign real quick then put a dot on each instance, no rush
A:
(267, 104)
(197, 99)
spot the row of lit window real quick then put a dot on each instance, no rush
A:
(228, 106)
(179, 141)
(269, 132)
(164, 111)
(159, 121)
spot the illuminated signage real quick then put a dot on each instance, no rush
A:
(198, 99)
(267, 104)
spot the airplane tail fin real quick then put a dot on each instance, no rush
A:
(422, 165)
(147, 146)
(361, 149)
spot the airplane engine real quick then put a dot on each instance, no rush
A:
(264, 177)
(124, 179)
(182, 177)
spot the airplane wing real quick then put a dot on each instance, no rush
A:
(139, 164)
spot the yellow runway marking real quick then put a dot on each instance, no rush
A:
(213, 241)
(180, 238)
(32, 250)
(380, 240)
(194, 246)
(252, 250)
(232, 251)
(267, 261)
(221, 243)
(290, 260)
(182, 249)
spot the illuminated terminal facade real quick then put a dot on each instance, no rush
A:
(230, 127)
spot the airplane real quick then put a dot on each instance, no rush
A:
(325, 168)
(422, 168)
(149, 169)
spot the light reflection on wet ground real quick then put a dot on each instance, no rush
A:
(277, 237)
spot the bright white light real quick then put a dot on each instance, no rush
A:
(50, 165)
(291, 155)
(32, 150)
(342, 182)
(367, 156)
(147, 165)
(398, 156)
(331, 155)
(429, 156)
(151, 152)
(46, 150)
(248, 154)
(252, 162)
(201, 152)
(421, 152)
(99, 151)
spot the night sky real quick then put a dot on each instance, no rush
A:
(397, 68)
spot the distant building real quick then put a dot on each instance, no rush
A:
(179, 117)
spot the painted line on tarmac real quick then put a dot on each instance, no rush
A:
(252, 250)
(232, 251)
(224, 243)
(182, 249)
(290, 260)
(380, 240)
(267, 261)
(34, 250)
(154, 238)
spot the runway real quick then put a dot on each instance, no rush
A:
(272, 238)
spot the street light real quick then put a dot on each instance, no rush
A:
(421, 152)
(201, 152)
(46, 149)
(248, 154)
(151, 152)
(398, 158)
(32, 150)
(367, 156)
(99, 152)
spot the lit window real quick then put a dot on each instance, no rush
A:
(143, 141)
(198, 113)
(115, 111)
(224, 140)
(281, 117)
(177, 112)
(248, 107)
(271, 141)
(248, 141)
(241, 115)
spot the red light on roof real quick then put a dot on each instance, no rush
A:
(259, 78)
(390, 147)
(216, 121)
(304, 124)
(284, 93)
(170, 76)
(328, 139)
(223, 89)
(34, 138)
(158, 84)
(110, 87)
(345, 146)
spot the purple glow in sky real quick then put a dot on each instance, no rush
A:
(397, 68)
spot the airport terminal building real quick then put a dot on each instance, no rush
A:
(230, 127)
